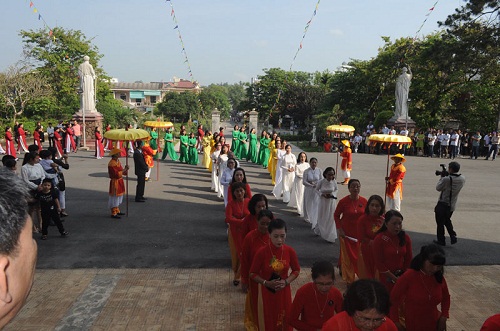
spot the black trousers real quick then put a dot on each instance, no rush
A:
(494, 150)
(443, 219)
(54, 215)
(139, 190)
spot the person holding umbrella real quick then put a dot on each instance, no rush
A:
(394, 186)
(346, 164)
(116, 184)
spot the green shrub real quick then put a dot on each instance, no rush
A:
(382, 118)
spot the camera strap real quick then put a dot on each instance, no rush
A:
(451, 188)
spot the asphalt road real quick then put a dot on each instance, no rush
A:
(182, 223)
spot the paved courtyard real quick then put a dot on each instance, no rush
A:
(166, 265)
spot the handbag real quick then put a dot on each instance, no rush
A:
(273, 277)
(61, 185)
(444, 208)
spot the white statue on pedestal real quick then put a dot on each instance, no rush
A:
(402, 89)
(313, 134)
(87, 87)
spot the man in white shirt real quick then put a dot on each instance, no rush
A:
(357, 141)
(494, 146)
(445, 142)
(454, 140)
(437, 143)
(486, 148)
(385, 129)
(431, 139)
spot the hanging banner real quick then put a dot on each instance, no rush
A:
(183, 48)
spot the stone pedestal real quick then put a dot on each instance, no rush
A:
(92, 120)
(253, 121)
(215, 121)
(401, 122)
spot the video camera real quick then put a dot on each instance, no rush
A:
(444, 172)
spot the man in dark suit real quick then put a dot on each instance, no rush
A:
(140, 171)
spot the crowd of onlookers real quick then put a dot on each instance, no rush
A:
(65, 137)
(442, 143)
(42, 169)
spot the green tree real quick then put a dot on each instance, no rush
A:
(268, 94)
(325, 119)
(215, 96)
(57, 58)
(474, 30)
(180, 107)
(19, 85)
(237, 95)
(354, 89)
(42, 108)
(116, 114)
(303, 101)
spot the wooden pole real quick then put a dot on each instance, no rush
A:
(387, 173)
(126, 181)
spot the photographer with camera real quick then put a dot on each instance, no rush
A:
(450, 184)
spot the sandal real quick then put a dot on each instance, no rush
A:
(44, 237)
(65, 234)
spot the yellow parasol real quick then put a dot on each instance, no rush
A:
(163, 125)
(390, 139)
(340, 128)
(158, 124)
(126, 135)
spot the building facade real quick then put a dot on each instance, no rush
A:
(145, 95)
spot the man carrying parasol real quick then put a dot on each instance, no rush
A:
(394, 191)
(116, 184)
(346, 164)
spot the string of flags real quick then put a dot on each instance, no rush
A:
(382, 88)
(305, 33)
(183, 47)
(35, 10)
(426, 18)
(306, 28)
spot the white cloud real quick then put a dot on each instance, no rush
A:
(336, 32)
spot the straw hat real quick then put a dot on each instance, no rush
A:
(115, 151)
(346, 143)
(399, 156)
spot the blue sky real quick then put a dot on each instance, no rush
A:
(225, 40)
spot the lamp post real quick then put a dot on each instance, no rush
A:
(407, 111)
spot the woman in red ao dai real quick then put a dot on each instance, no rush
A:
(368, 225)
(236, 211)
(270, 270)
(346, 217)
(316, 302)
(392, 250)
